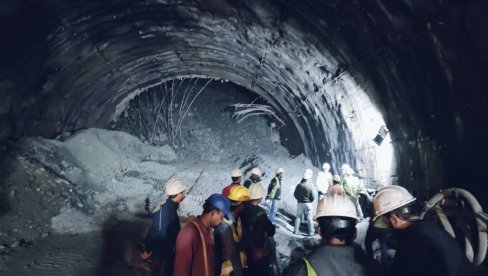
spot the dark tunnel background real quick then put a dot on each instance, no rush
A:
(68, 65)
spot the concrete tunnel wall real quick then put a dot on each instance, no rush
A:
(69, 65)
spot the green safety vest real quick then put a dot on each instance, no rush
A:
(275, 188)
(310, 270)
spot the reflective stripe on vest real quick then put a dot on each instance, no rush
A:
(310, 270)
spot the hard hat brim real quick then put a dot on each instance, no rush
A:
(394, 207)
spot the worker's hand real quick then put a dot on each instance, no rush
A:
(145, 255)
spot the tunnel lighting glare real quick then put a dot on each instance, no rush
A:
(363, 121)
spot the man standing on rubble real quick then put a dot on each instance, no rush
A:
(161, 237)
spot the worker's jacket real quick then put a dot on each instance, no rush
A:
(336, 260)
(274, 189)
(351, 186)
(303, 192)
(165, 226)
(425, 249)
(190, 254)
(257, 229)
(323, 182)
(229, 252)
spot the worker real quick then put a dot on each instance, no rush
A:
(274, 194)
(236, 175)
(258, 236)
(336, 254)
(304, 196)
(230, 253)
(254, 178)
(423, 248)
(161, 236)
(324, 180)
(336, 187)
(195, 244)
(353, 186)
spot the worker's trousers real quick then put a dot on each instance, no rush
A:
(273, 209)
(304, 209)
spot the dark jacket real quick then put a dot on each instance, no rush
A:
(426, 249)
(303, 192)
(249, 181)
(161, 237)
(275, 182)
(337, 261)
(256, 226)
(258, 241)
(226, 248)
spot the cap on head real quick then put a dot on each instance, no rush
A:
(257, 191)
(308, 174)
(256, 171)
(236, 173)
(174, 186)
(326, 166)
(390, 198)
(239, 194)
(280, 170)
(336, 178)
(219, 202)
(336, 205)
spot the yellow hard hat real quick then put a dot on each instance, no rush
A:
(240, 194)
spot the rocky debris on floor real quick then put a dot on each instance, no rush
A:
(31, 197)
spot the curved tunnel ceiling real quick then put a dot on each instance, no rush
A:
(325, 66)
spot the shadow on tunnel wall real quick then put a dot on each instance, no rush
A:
(4, 172)
(121, 239)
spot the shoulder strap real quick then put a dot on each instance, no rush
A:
(310, 270)
(205, 258)
(232, 227)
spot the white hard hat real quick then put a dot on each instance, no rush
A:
(336, 205)
(256, 171)
(345, 167)
(336, 178)
(326, 166)
(174, 186)
(280, 170)
(235, 173)
(257, 191)
(308, 174)
(390, 198)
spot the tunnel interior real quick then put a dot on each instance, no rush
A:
(317, 79)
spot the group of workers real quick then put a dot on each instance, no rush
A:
(234, 234)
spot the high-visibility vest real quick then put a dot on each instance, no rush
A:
(275, 188)
(310, 270)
